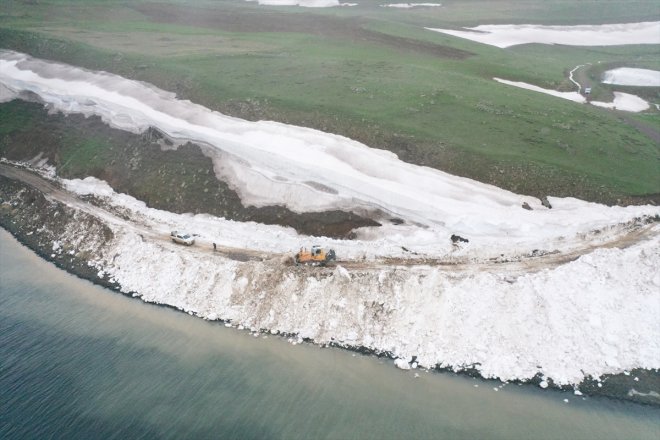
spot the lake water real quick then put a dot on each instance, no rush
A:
(80, 361)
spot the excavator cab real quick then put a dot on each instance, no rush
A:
(316, 256)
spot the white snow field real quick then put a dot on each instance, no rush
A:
(625, 102)
(571, 96)
(622, 101)
(628, 76)
(583, 35)
(411, 5)
(592, 316)
(303, 3)
(534, 291)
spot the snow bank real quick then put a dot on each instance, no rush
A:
(593, 316)
(304, 3)
(411, 5)
(571, 96)
(622, 101)
(270, 163)
(625, 102)
(583, 35)
(627, 76)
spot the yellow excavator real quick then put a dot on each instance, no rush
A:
(317, 256)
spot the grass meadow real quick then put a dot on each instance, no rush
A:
(374, 74)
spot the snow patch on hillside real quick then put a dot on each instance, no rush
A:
(627, 76)
(411, 5)
(272, 163)
(304, 3)
(583, 35)
(622, 101)
(571, 96)
(626, 102)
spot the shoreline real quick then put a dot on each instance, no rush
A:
(634, 386)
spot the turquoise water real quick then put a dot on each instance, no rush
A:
(80, 361)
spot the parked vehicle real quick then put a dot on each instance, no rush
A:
(182, 238)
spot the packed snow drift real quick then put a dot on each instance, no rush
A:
(583, 35)
(564, 292)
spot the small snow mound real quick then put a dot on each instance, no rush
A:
(402, 364)
(89, 185)
(343, 272)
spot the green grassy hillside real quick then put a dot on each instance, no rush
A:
(374, 74)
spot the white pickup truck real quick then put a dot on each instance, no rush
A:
(182, 238)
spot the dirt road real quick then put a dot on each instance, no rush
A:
(625, 236)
